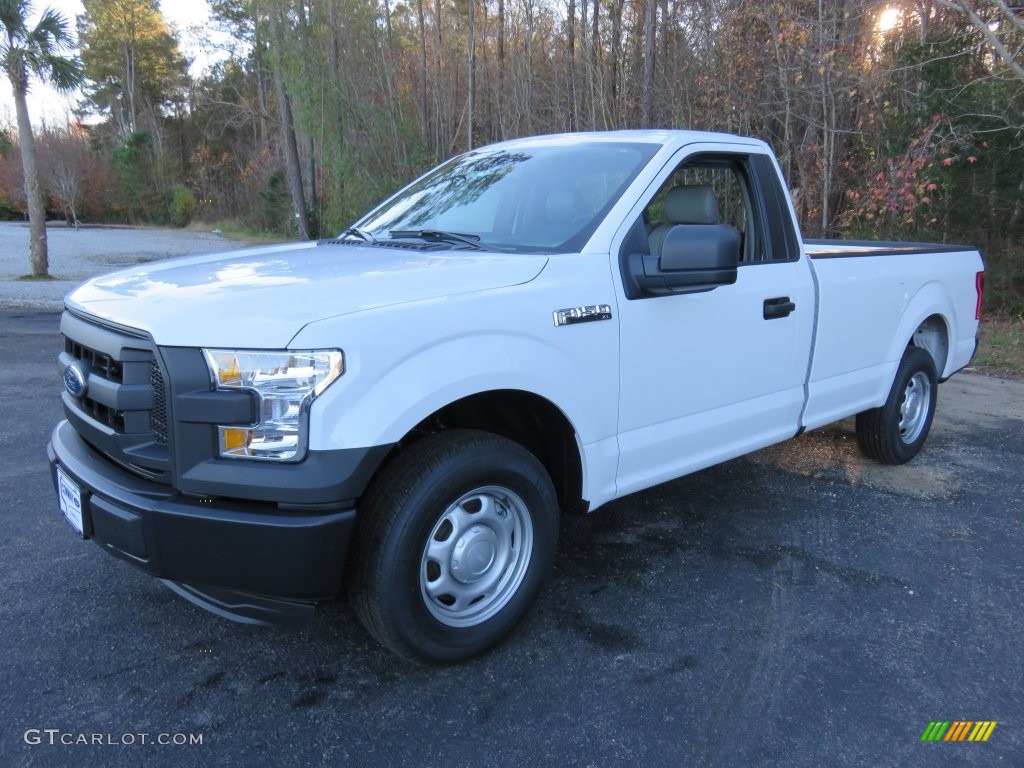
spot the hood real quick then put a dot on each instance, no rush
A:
(262, 297)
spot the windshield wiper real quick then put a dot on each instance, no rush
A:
(362, 234)
(437, 236)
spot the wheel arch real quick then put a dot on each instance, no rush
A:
(927, 322)
(523, 417)
(932, 335)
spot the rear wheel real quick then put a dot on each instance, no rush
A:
(455, 539)
(895, 432)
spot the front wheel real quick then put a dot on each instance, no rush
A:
(455, 539)
(895, 432)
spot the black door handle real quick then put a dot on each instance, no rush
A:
(778, 307)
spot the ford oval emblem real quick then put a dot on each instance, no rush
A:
(74, 380)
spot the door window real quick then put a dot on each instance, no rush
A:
(726, 180)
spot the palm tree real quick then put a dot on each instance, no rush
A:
(37, 51)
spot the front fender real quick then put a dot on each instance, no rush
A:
(404, 363)
(450, 369)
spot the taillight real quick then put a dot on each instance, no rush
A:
(979, 284)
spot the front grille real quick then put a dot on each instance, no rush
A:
(123, 411)
(104, 414)
(102, 364)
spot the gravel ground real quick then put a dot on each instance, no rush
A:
(76, 255)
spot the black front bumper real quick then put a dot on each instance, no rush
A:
(249, 561)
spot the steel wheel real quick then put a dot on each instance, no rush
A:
(895, 432)
(476, 556)
(914, 410)
(455, 538)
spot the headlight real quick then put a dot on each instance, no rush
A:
(285, 384)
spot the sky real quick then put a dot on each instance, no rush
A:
(46, 104)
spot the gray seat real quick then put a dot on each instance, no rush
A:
(561, 205)
(560, 216)
(688, 205)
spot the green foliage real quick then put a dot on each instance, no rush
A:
(134, 163)
(10, 212)
(904, 195)
(183, 205)
(39, 50)
(131, 60)
(1001, 346)
(7, 141)
(942, 154)
(275, 213)
(914, 132)
(347, 99)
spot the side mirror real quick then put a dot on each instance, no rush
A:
(694, 258)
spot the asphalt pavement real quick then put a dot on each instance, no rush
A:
(798, 607)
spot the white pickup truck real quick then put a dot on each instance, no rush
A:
(541, 325)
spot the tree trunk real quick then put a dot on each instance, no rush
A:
(33, 192)
(528, 7)
(571, 66)
(784, 149)
(594, 73)
(648, 94)
(334, 60)
(666, 54)
(501, 71)
(261, 89)
(129, 77)
(617, 110)
(439, 81)
(991, 32)
(424, 116)
(291, 147)
(394, 110)
(471, 55)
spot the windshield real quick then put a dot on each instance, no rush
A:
(532, 198)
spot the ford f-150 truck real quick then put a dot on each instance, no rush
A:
(537, 326)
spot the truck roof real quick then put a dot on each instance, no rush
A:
(664, 137)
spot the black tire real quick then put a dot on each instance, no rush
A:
(894, 433)
(454, 540)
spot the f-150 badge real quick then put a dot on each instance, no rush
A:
(589, 313)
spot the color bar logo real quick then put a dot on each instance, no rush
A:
(958, 730)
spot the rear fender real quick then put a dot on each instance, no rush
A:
(932, 299)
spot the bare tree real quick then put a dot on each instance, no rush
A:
(997, 27)
(293, 167)
(471, 74)
(648, 85)
(64, 164)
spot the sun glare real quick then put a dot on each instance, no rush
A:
(889, 18)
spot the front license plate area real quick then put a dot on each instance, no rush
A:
(69, 496)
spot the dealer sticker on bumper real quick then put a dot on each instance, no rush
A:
(70, 498)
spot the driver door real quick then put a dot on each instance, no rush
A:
(709, 376)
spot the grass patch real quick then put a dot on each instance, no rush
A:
(234, 230)
(1001, 347)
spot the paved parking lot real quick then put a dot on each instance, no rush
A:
(77, 254)
(799, 607)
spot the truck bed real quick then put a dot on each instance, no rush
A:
(838, 249)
